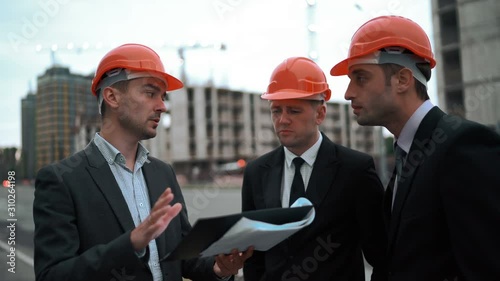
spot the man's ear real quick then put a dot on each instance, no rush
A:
(111, 97)
(405, 79)
(320, 113)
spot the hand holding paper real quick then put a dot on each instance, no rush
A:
(261, 235)
(262, 229)
(227, 265)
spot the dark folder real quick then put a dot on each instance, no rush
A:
(206, 231)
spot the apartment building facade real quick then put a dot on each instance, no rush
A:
(467, 40)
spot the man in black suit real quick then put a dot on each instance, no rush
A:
(341, 184)
(442, 204)
(110, 212)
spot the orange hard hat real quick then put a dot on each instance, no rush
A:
(134, 57)
(297, 78)
(383, 32)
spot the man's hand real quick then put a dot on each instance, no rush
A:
(227, 265)
(157, 221)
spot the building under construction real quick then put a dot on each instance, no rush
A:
(467, 40)
(63, 101)
(215, 130)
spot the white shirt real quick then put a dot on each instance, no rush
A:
(408, 134)
(309, 157)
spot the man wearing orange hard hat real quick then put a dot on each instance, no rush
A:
(111, 211)
(442, 202)
(341, 184)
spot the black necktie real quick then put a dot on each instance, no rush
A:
(298, 189)
(399, 155)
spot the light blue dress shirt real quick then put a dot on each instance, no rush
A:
(133, 187)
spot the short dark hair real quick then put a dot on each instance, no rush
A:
(316, 103)
(391, 68)
(121, 86)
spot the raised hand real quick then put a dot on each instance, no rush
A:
(157, 221)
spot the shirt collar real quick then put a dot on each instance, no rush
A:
(410, 128)
(309, 155)
(113, 155)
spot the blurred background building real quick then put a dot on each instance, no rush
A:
(215, 131)
(28, 136)
(212, 129)
(8, 161)
(467, 44)
(64, 103)
(209, 131)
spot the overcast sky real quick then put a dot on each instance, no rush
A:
(259, 34)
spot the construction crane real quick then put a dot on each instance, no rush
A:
(85, 47)
(312, 30)
(182, 49)
(67, 48)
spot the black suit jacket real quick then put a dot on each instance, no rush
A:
(444, 223)
(83, 225)
(347, 196)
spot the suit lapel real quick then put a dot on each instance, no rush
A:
(155, 188)
(105, 181)
(416, 156)
(103, 177)
(272, 177)
(323, 173)
(321, 180)
(388, 199)
(153, 182)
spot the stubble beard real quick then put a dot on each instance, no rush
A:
(365, 121)
(140, 130)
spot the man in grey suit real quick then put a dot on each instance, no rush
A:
(111, 211)
(442, 204)
(341, 184)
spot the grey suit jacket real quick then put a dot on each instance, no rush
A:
(83, 225)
